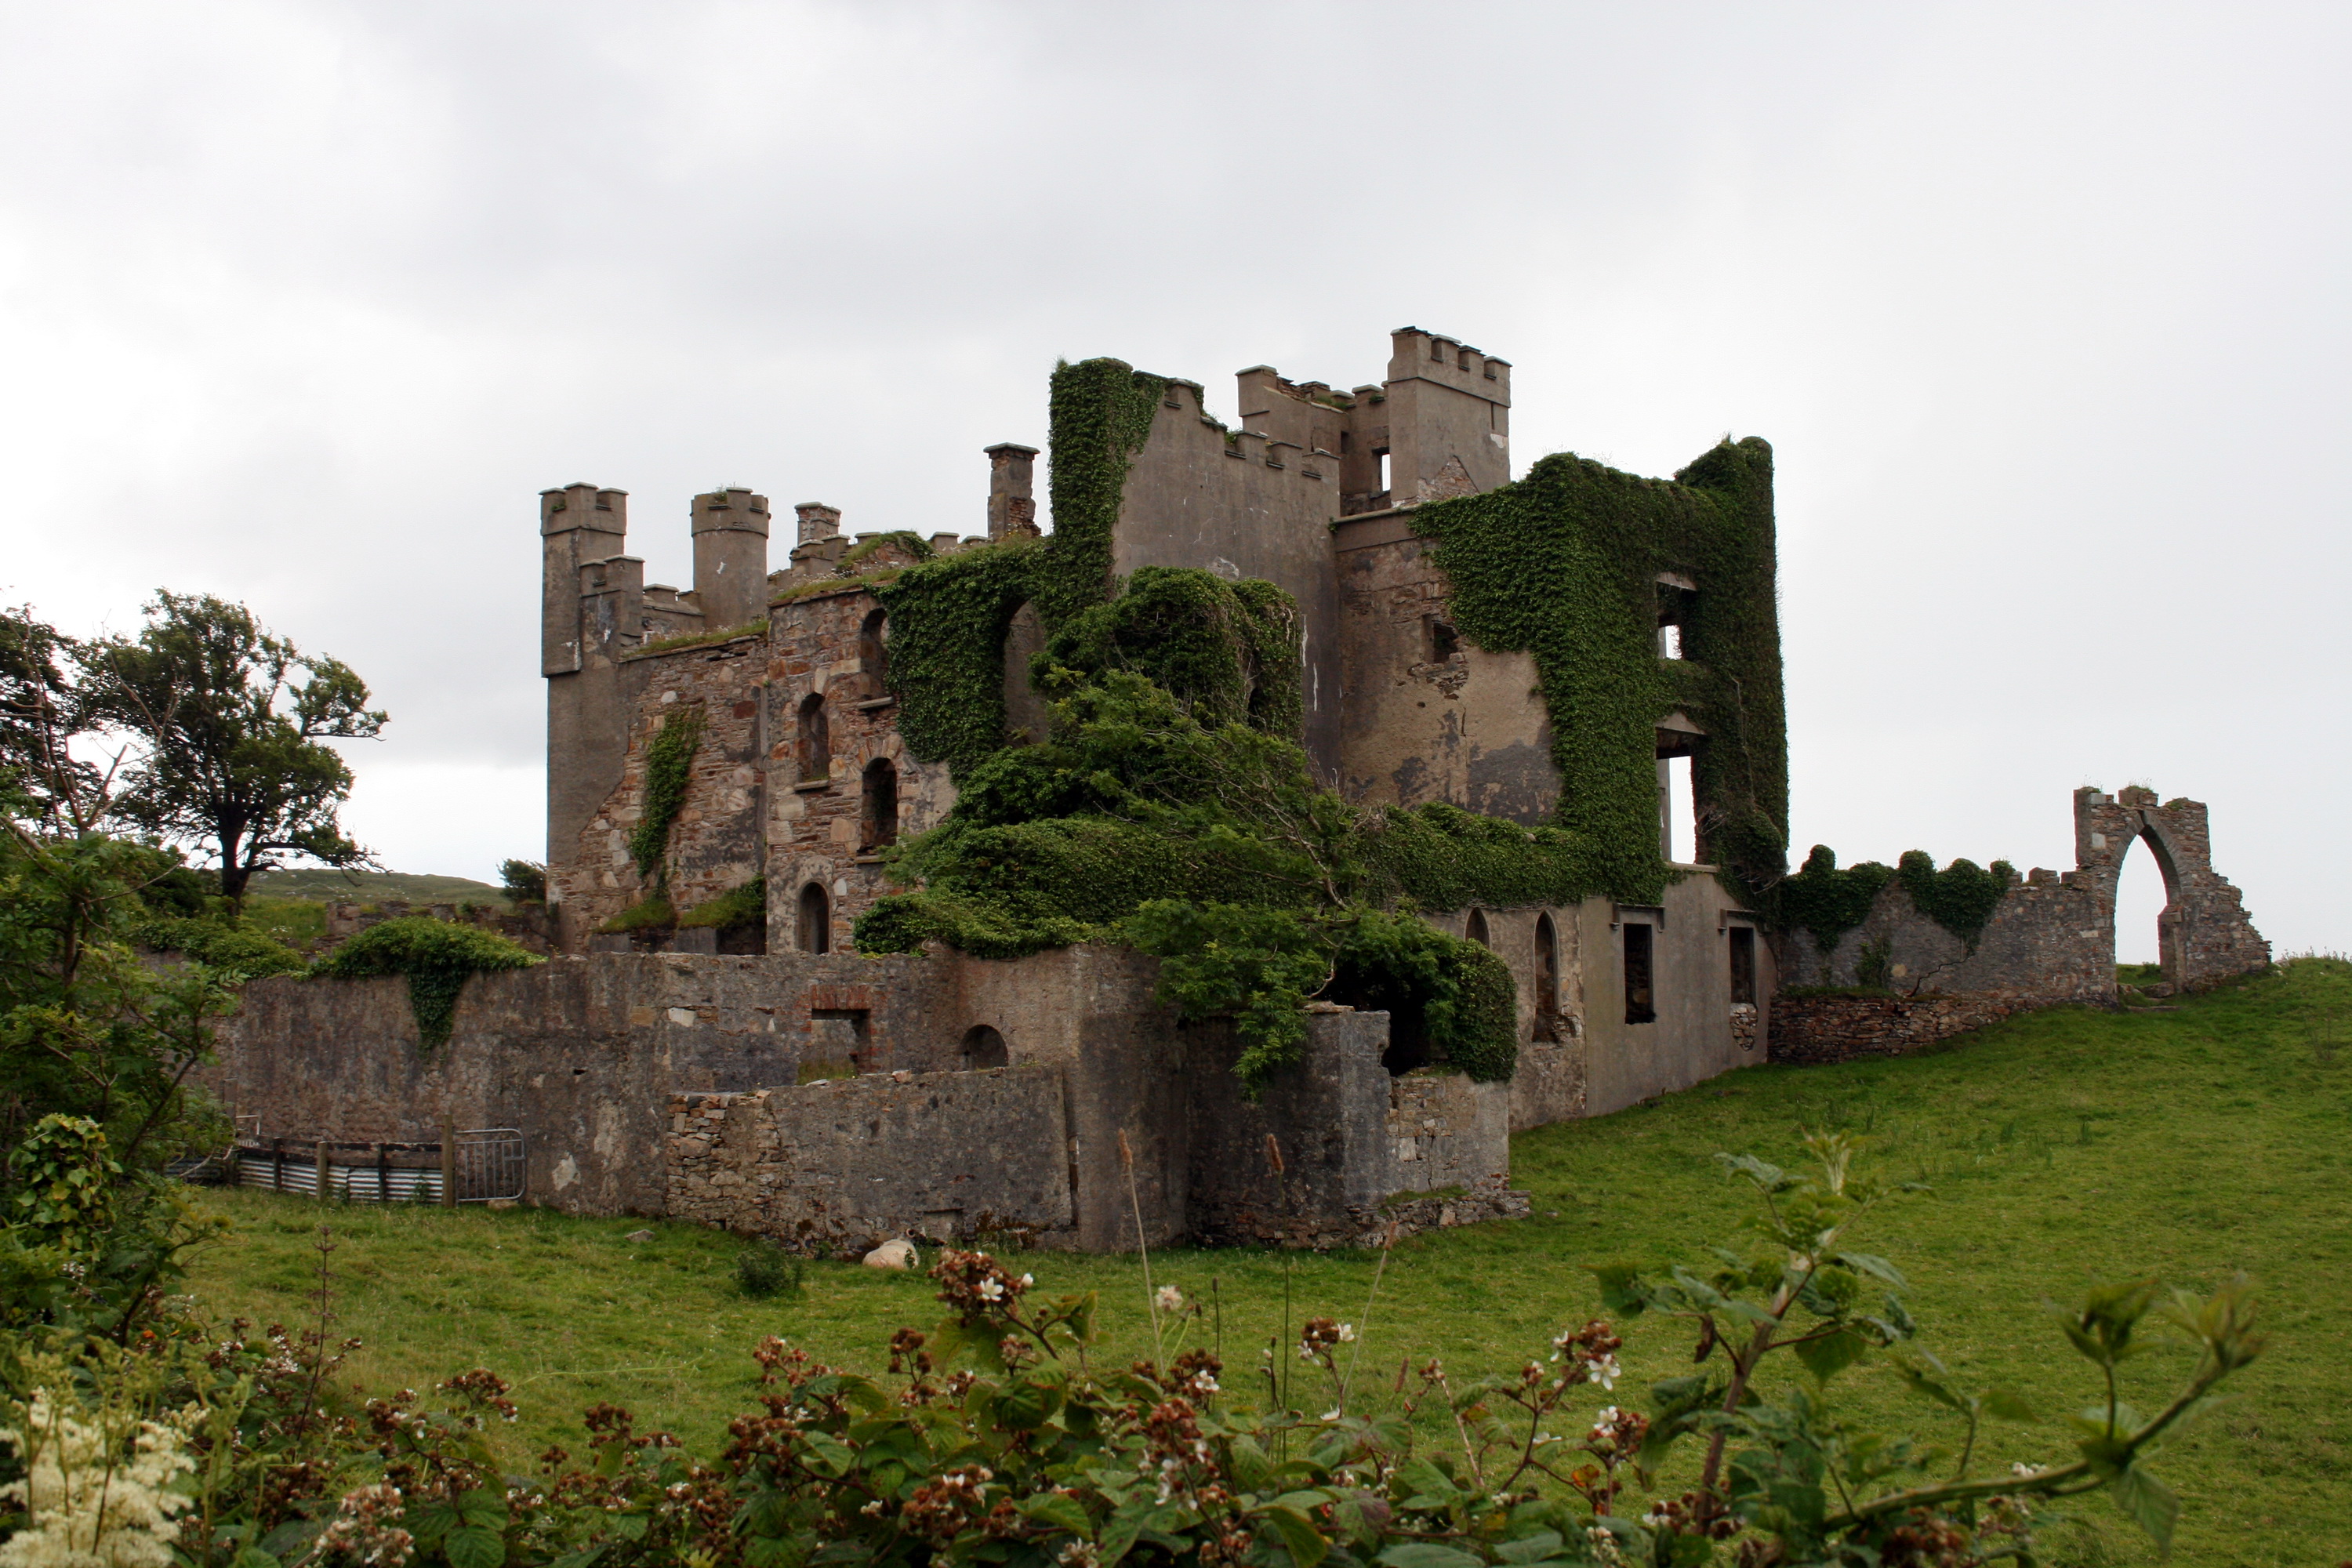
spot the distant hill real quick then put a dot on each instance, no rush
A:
(328, 886)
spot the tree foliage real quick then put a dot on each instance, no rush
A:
(228, 723)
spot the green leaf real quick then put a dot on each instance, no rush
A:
(430, 1523)
(1027, 1405)
(254, 1557)
(1250, 1466)
(828, 1455)
(1300, 1538)
(1422, 1555)
(1771, 1178)
(1863, 1263)
(475, 1546)
(631, 1526)
(2007, 1405)
(1426, 1486)
(1621, 1290)
(2150, 1504)
(1832, 1353)
(584, 1559)
(483, 1507)
(1058, 1511)
(1534, 1548)
(1119, 1535)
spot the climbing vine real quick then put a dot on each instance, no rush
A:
(1829, 903)
(1564, 565)
(1228, 650)
(669, 764)
(1960, 897)
(949, 615)
(438, 956)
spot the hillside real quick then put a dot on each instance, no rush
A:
(2062, 1149)
(327, 885)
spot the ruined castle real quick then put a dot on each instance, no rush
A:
(1568, 647)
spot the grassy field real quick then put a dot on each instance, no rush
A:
(2064, 1149)
(328, 885)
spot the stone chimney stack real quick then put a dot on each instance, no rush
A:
(730, 558)
(818, 520)
(1012, 503)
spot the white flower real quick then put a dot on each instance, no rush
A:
(1169, 1299)
(990, 1290)
(88, 1506)
(1331, 1414)
(1027, 1280)
(1347, 1332)
(1606, 1372)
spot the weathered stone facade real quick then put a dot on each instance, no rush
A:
(2052, 937)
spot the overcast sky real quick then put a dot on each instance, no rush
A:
(2042, 307)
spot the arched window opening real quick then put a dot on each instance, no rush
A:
(877, 811)
(983, 1047)
(815, 919)
(1547, 979)
(1475, 929)
(2139, 907)
(872, 656)
(815, 740)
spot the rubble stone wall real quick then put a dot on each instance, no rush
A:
(830, 1166)
(1812, 1030)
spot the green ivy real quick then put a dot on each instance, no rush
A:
(1563, 564)
(669, 764)
(949, 615)
(652, 912)
(437, 957)
(1228, 650)
(914, 543)
(1827, 901)
(1962, 897)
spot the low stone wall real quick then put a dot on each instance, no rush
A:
(1349, 1138)
(834, 1167)
(1813, 1030)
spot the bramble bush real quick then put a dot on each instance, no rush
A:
(995, 1438)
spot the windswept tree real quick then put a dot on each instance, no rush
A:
(228, 723)
(40, 712)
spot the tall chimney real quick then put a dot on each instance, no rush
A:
(1012, 505)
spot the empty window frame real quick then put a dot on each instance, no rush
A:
(815, 742)
(1743, 964)
(873, 657)
(877, 809)
(1641, 973)
(815, 933)
(1443, 640)
(983, 1047)
(1475, 929)
(1546, 978)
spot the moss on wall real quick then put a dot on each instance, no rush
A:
(1563, 564)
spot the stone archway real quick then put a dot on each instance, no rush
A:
(2203, 936)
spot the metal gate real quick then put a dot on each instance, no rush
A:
(491, 1162)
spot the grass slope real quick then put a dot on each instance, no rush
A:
(327, 885)
(2065, 1148)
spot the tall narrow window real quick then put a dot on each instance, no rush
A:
(872, 656)
(815, 740)
(1474, 927)
(877, 812)
(1678, 811)
(1641, 996)
(816, 919)
(1547, 979)
(1743, 964)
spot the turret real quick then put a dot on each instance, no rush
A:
(730, 557)
(577, 524)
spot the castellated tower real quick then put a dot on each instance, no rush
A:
(730, 558)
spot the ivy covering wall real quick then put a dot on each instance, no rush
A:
(1564, 565)
(1826, 900)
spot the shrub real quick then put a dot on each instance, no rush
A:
(764, 1270)
(233, 946)
(732, 910)
(437, 957)
(525, 881)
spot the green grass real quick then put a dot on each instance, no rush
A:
(327, 885)
(2064, 1148)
